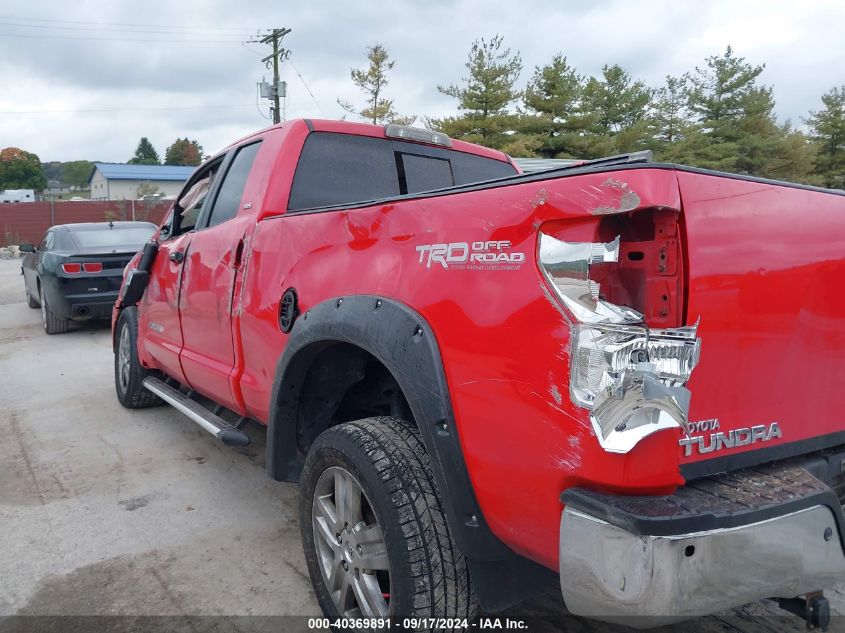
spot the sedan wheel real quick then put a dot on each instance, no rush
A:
(43, 307)
(52, 324)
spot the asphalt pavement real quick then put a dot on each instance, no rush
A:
(140, 514)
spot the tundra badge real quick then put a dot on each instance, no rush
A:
(721, 440)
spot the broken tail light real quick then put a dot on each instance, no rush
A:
(631, 377)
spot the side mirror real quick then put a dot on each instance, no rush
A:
(26, 248)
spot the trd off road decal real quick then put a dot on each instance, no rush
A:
(491, 255)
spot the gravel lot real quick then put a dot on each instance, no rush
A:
(107, 512)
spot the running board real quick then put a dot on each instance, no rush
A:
(209, 421)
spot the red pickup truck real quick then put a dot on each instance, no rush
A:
(622, 376)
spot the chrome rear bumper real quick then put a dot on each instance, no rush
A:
(622, 575)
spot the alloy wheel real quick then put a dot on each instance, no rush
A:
(351, 551)
(123, 358)
(43, 307)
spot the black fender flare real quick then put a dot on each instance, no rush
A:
(404, 343)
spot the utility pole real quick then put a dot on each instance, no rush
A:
(277, 89)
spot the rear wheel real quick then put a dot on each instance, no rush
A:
(52, 324)
(129, 374)
(31, 301)
(373, 528)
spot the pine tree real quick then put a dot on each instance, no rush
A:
(145, 153)
(669, 112)
(552, 98)
(485, 96)
(183, 152)
(372, 81)
(617, 109)
(827, 131)
(721, 94)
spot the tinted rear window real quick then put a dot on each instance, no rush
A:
(341, 168)
(338, 169)
(424, 173)
(469, 168)
(135, 236)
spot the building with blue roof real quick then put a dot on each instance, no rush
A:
(118, 181)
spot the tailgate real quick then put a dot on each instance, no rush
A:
(766, 267)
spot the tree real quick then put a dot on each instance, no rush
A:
(145, 154)
(372, 81)
(20, 170)
(669, 111)
(720, 95)
(75, 173)
(617, 107)
(485, 96)
(827, 131)
(52, 170)
(553, 97)
(718, 92)
(183, 152)
(738, 125)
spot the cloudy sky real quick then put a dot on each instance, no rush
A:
(86, 79)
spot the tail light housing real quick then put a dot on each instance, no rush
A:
(631, 377)
(74, 268)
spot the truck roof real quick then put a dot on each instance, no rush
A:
(376, 131)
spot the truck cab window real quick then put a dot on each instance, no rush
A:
(424, 173)
(343, 169)
(190, 202)
(231, 190)
(337, 169)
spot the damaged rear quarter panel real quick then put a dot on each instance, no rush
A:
(503, 338)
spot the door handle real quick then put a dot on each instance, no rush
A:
(177, 256)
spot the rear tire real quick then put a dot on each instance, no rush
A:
(52, 324)
(31, 301)
(129, 374)
(416, 570)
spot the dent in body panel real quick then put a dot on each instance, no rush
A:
(613, 196)
(497, 335)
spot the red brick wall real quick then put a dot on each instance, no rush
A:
(27, 221)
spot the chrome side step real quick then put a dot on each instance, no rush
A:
(209, 421)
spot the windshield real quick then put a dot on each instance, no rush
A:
(134, 237)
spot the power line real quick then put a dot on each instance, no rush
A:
(162, 26)
(82, 111)
(118, 30)
(257, 102)
(313, 98)
(117, 39)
